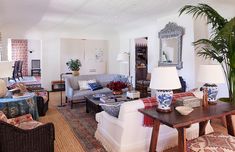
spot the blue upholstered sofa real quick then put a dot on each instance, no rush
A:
(72, 89)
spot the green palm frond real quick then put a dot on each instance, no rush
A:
(220, 46)
(228, 33)
(210, 49)
(213, 17)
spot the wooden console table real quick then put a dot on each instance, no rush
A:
(200, 115)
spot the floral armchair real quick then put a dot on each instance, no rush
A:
(23, 134)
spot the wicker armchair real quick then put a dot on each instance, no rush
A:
(14, 139)
(23, 134)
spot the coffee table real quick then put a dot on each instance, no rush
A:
(92, 104)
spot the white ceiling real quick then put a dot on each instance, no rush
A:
(83, 14)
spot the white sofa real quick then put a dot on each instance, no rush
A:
(127, 133)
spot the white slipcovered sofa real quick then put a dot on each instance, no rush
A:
(127, 133)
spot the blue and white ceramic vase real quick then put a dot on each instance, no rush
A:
(164, 98)
(212, 91)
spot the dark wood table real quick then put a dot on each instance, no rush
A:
(200, 115)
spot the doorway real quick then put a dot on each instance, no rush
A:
(25, 51)
(141, 65)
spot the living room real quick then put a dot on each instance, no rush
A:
(96, 32)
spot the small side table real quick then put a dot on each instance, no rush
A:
(58, 85)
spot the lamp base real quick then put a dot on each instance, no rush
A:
(163, 110)
(164, 98)
(212, 91)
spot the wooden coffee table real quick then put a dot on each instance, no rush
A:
(92, 104)
(200, 115)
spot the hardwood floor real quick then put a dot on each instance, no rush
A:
(66, 141)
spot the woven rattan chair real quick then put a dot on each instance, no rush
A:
(14, 139)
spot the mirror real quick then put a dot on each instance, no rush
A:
(171, 46)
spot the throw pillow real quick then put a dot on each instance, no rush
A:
(83, 84)
(112, 108)
(95, 86)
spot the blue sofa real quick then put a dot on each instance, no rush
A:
(73, 92)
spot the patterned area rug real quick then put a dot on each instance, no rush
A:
(83, 125)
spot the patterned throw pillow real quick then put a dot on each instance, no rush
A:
(95, 86)
(112, 108)
(3, 116)
(83, 84)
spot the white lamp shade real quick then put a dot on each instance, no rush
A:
(165, 78)
(123, 57)
(212, 74)
(6, 69)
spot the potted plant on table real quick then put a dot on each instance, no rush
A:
(74, 66)
(221, 44)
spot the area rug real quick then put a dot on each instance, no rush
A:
(83, 125)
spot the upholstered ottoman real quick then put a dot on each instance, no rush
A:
(213, 142)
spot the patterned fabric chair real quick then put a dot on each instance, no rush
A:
(213, 142)
(23, 134)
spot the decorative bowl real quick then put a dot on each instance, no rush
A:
(183, 110)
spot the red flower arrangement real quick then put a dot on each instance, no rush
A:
(116, 85)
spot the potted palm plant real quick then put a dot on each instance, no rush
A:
(221, 44)
(74, 66)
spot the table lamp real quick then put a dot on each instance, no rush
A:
(211, 75)
(124, 57)
(5, 72)
(164, 80)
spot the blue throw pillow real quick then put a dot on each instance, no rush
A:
(112, 108)
(95, 86)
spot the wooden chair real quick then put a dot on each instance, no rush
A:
(36, 68)
(19, 70)
(15, 71)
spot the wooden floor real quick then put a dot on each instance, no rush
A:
(66, 141)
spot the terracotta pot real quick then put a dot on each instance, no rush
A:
(75, 73)
(117, 92)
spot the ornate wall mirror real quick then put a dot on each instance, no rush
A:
(171, 45)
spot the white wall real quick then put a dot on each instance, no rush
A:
(151, 31)
(91, 53)
(36, 48)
